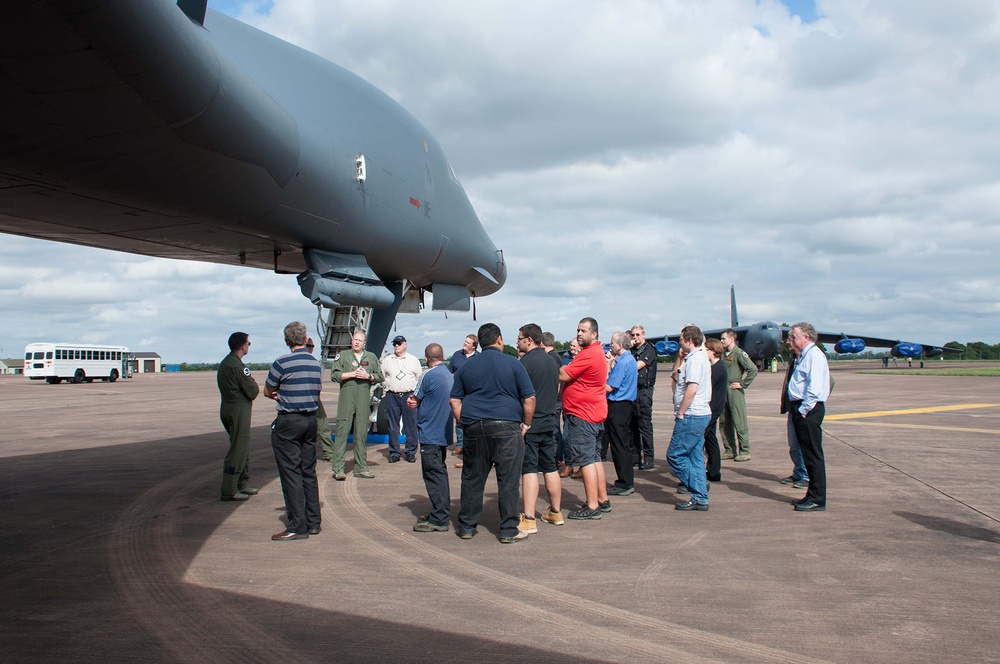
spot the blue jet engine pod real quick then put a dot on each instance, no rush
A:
(907, 349)
(667, 347)
(849, 346)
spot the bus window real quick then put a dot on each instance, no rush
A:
(76, 355)
(48, 355)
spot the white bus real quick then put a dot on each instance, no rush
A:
(77, 362)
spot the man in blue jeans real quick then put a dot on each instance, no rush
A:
(692, 378)
(494, 402)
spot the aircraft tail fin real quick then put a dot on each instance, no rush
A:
(194, 9)
(734, 319)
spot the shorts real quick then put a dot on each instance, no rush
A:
(539, 453)
(584, 441)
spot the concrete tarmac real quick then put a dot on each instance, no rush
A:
(116, 548)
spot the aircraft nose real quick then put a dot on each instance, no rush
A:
(491, 276)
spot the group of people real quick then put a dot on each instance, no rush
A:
(520, 417)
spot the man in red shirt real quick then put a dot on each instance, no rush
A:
(586, 407)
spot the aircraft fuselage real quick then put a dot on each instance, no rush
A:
(129, 126)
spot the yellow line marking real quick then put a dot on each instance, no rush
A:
(922, 426)
(909, 411)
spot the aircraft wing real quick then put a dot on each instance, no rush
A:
(668, 344)
(898, 347)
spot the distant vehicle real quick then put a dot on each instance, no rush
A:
(76, 362)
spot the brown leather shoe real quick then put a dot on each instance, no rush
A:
(577, 474)
(287, 536)
(566, 471)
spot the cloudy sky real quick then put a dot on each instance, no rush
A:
(839, 162)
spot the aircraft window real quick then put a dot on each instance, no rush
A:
(452, 174)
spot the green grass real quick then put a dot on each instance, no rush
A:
(970, 371)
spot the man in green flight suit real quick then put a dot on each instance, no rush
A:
(356, 371)
(238, 390)
(741, 372)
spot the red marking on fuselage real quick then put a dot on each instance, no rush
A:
(414, 202)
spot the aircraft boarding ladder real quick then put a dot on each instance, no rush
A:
(336, 330)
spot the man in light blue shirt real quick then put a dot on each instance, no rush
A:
(621, 390)
(808, 390)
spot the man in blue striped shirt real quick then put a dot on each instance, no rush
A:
(295, 381)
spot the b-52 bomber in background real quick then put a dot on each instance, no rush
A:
(763, 340)
(166, 129)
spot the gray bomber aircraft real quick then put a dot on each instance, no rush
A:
(166, 129)
(762, 341)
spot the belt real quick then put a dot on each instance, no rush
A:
(304, 413)
(400, 393)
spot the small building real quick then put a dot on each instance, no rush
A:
(11, 367)
(147, 362)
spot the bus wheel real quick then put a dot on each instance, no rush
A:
(114, 375)
(53, 380)
(79, 376)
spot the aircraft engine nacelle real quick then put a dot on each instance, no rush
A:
(906, 349)
(849, 346)
(333, 293)
(667, 347)
(933, 352)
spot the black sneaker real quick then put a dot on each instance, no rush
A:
(410, 458)
(585, 513)
(393, 459)
(428, 527)
(618, 490)
(605, 506)
(514, 538)
(691, 506)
